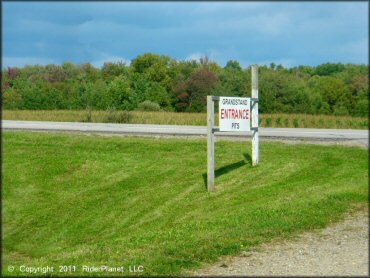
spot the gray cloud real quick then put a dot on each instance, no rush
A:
(251, 32)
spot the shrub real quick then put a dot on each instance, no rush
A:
(321, 123)
(278, 121)
(286, 122)
(295, 122)
(364, 124)
(114, 116)
(87, 118)
(12, 99)
(121, 94)
(340, 110)
(268, 121)
(158, 94)
(148, 105)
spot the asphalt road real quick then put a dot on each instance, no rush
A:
(362, 136)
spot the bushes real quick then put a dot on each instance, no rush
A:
(268, 122)
(121, 94)
(295, 122)
(149, 106)
(87, 117)
(120, 117)
(158, 95)
(12, 99)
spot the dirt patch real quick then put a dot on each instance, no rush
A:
(341, 249)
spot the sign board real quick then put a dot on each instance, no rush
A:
(234, 114)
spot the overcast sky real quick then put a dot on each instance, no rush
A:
(287, 33)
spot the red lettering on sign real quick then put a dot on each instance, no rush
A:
(235, 114)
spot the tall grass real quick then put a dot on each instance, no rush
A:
(175, 118)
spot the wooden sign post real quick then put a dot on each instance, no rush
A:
(255, 116)
(210, 144)
(235, 114)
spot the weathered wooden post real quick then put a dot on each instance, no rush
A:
(236, 114)
(255, 139)
(210, 145)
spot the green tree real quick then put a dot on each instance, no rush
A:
(99, 97)
(328, 69)
(186, 68)
(111, 70)
(183, 85)
(140, 85)
(156, 93)
(200, 84)
(333, 91)
(12, 99)
(121, 94)
(160, 69)
(232, 81)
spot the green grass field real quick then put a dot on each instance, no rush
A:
(119, 201)
(172, 118)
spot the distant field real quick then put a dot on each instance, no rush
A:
(172, 118)
(93, 200)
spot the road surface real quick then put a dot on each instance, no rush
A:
(360, 136)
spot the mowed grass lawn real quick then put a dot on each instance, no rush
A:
(79, 200)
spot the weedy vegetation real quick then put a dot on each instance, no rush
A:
(183, 118)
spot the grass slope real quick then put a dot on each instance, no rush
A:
(176, 118)
(90, 200)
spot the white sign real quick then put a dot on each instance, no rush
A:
(234, 114)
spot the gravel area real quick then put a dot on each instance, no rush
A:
(341, 249)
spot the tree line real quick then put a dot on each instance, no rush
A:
(158, 82)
